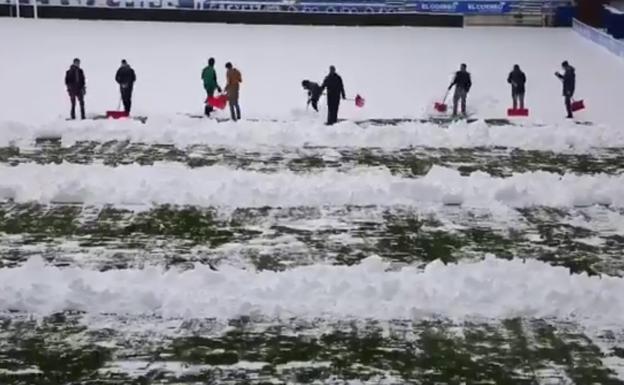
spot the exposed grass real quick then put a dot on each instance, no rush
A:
(265, 237)
(411, 162)
(512, 351)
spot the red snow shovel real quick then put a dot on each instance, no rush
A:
(517, 112)
(217, 102)
(117, 114)
(359, 101)
(442, 107)
(578, 105)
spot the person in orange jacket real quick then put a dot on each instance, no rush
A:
(234, 79)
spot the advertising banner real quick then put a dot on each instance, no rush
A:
(463, 7)
(482, 7)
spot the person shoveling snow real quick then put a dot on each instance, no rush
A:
(462, 83)
(314, 93)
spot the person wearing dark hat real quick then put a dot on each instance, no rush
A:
(462, 83)
(335, 90)
(568, 78)
(517, 79)
(234, 79)
(76, 87)
(126, 77)
(314, 93)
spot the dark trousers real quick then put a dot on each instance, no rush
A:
(313, 99)
(314, 103)
(73, 95)
(333, 104)
(459, 97)
(567, 98)
(208, 108)
(234, 107)
(235, 110)
(126, 98)
(518, 99)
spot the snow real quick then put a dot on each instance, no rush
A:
(400, 72)
(20, 372)
(613, 10)
(303, 364)
(591, 241)
(406, 72)
(177, 368)
(616, 364)
(492, 288)
(606, 222)
(141, 368)
(222, 186)
(184, 131)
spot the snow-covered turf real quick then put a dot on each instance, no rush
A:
(400, 71)
(280, 250)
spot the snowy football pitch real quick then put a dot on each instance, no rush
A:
(278, 250)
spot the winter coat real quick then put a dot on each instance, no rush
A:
(462, 80)
(314, 91)
(209, 76)
(335, 88)
(75, 80)
(569, 81)
(234, 79)
(517, 79)
(125, 76)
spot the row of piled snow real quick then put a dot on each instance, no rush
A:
(186, 131)
(492, 288)
(175, 183)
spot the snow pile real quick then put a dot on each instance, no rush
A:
(221, 186)
(492, 288)
(249, 134)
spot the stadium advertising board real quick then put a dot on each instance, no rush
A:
(306, 6)
(463, 7)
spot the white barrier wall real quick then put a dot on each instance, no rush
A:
(600, 37)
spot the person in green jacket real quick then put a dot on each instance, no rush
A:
(209, 76)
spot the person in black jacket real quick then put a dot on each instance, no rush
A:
(517, 79)
(126, 77)
(76, 87)
(314, 93)
(335, 89)
(569, 84)
(462, 83)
